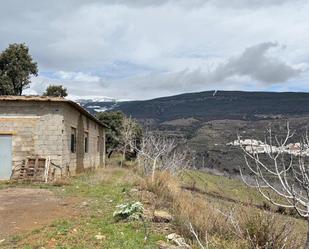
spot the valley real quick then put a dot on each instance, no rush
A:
(208, 121)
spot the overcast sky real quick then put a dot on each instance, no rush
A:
(139, 49)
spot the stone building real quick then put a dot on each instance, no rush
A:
(47, 127)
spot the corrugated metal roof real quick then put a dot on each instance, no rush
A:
(52, 99)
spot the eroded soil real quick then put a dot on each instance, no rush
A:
(25, 209)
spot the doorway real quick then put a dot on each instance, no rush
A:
(5, 157)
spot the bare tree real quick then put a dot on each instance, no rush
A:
(277, 177)
(128, 134)
(158, 152)
(191, 229)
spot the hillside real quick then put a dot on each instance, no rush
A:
(96, 195)
(210, 120)
(209, 106)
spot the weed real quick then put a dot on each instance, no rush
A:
(266, 230)
(131, 211)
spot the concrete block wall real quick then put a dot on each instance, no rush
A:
(44, 129)
(49, 137)
(36, 129)
(22, 129)
(80, 160)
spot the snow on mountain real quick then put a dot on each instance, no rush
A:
(92, 99)
(95, 104)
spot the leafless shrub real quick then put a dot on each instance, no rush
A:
(128, 133)
(285, 185)
(158, 152)
(265, 230)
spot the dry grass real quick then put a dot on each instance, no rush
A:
(62, 182)
(219, 225)
(114, 175)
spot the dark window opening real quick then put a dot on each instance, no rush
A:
(98, 144)
(86, 142)
(73, 140)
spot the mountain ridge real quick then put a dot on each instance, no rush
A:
(210, 121)
(209, 106)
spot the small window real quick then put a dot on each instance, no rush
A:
(98, 144)
(86, 142)
(73, 140)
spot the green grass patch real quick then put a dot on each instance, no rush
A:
(95, 227)
(228, 189)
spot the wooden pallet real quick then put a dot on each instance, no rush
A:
(34, 169)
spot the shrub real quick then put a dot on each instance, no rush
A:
(244, 227)
(266, 206)
(131, 211)
(282, 210)
(293, 212)
(267, 231)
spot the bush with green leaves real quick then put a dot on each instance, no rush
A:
(130, 211)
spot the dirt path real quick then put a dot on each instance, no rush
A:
(25, 209)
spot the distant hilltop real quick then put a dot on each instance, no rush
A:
(209, 106)
(211, 120)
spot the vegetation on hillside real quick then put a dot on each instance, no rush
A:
(210, 122)
(206, 106)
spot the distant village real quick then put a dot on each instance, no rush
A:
(258, 147)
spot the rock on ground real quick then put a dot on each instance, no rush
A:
(161, 216)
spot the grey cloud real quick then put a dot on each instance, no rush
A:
(61, 6)
(86, 35)
(76, 34)
(255, 63)
(197, 3)
(154, 85)
(250, 3)
(252, 65)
